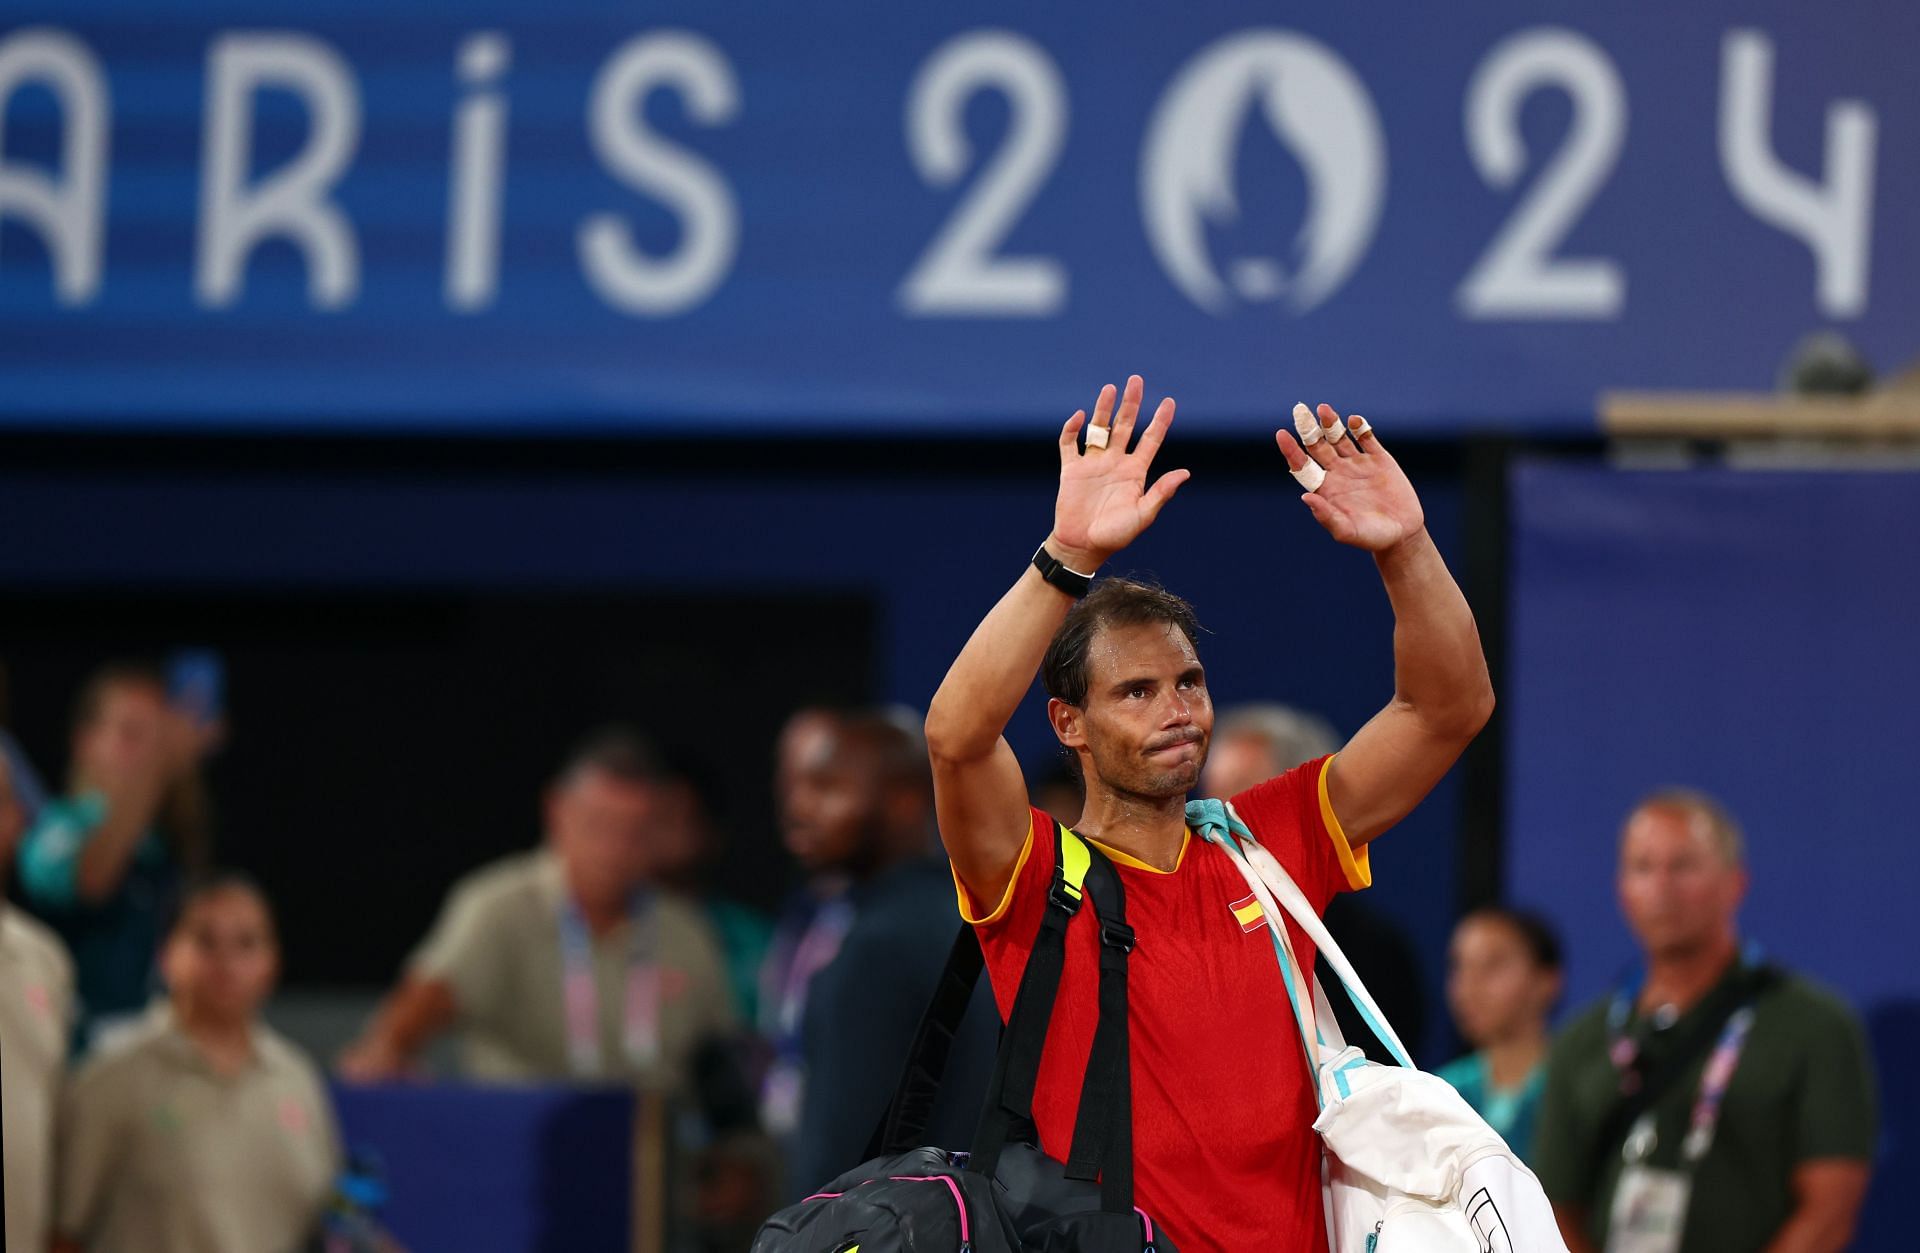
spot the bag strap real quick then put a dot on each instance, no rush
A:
(1104, 1124)
(904, 1125)
(1295, 902)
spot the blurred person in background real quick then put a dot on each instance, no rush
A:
(1057, 792)
(102, 863)
(690, 842)
(202, 1131)
(28, 792)
(36, 1016)
(1258, 741)
(1503, 980)
(568, 963)
(858, 953)
(1714, 1103)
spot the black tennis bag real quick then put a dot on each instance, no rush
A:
(1005, 1195)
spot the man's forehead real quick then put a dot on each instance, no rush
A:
(1661, 827)
(1144, 645)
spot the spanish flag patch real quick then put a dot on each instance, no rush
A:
(1247, 912)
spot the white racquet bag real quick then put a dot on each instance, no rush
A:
(1408, 1166)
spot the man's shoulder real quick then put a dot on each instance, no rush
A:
(513, 885)
(1584, 1033)
(125, 1055)
(503, 877)
(1802, 1005)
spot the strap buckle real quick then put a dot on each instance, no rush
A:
(1117, 935)
(1063, 897)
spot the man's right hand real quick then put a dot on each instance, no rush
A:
(370, 1059)
(1104, 500)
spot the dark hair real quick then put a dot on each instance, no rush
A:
(115, 674)
(619, 751)
(1111, 603)
(206, 883)
(892, 734)
(1536, 933)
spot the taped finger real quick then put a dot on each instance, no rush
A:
(1307, 426)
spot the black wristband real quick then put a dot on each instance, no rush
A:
(1072, 582)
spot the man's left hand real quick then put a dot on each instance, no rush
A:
(1365, 500)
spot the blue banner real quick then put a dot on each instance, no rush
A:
(856, 215)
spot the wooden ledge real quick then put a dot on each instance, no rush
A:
(1891, 415)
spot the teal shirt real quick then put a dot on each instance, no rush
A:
(745, 935)
(1513, 1112)
(113, 941)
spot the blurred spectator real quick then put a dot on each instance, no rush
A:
(36, 1010)
(567, 963)
(1251, 744)
(28, 792)
(202, 1131)
(1057, 792)
(103, 862)
(1714, 1102)
(1503, 978)
(689, 842)
(857, 954)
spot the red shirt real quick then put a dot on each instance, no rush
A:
(1224, 1151)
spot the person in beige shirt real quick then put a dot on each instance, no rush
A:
(36, 1017)
(566, 964)
(201, 1131)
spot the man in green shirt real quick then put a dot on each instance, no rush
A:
(1716, 1104)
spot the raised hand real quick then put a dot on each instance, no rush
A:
(1365, 499)
(1104, 500)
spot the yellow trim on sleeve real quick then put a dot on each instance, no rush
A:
(1357, 868)
(1006, 898)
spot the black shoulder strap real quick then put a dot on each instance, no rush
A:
(904, 1125)
(1103, 1124)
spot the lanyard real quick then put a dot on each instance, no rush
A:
(640, 1025)
(1624, 1051)
(816, 948)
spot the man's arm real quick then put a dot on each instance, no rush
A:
(1103, 503)
(1442, 694)
(1827, 1194)
(406, 1022)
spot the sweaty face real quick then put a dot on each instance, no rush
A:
(602, 827)
(222, 958)
(1677, 890)
(1147, 718)
(1494, 987)
(833, 811)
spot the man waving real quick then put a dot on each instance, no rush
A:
(1222, 1108)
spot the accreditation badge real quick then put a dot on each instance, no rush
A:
(1649, 1211)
